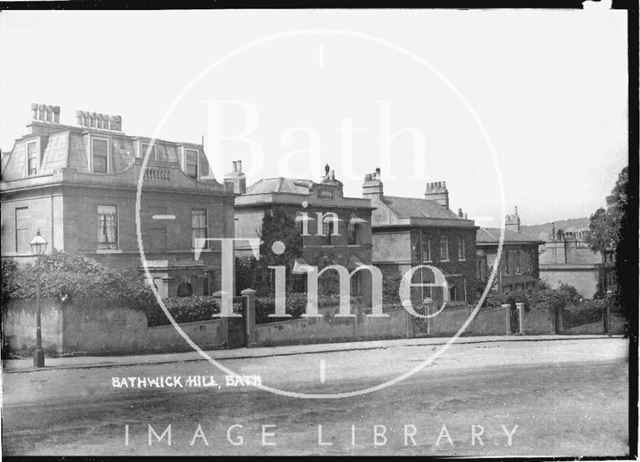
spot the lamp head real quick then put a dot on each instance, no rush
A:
(38, 244)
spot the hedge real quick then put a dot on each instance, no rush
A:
(295, 305)
(583, 313)
(542, 299)
(186, 309)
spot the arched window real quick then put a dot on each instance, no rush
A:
(185, 289)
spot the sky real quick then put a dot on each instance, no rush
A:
(533, 100)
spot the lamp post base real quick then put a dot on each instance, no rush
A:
(38, 358)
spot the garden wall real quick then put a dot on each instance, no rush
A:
(116, 330)
(19, 325)
(110, 330)
(538, 322)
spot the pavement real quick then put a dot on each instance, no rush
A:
(81, 362)
(557, 396)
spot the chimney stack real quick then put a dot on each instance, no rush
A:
(372, 188)
(236, 180)
(437, 191)
(45, 113)
(99, 121)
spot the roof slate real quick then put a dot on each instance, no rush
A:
(492, 236)
(280, 185)
(408, 207)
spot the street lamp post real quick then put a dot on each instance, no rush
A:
(38, 246)
(607, 312)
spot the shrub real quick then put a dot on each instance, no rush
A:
(295, 305)
(583, 313)
(390, 288)
(76, 278)
(518, 296)
(543, 285)
(570, 293)
(542, 299)
(186, 309)
(454, 303)
(548, 299)
(495, 300)
(247, 273)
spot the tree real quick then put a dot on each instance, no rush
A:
(602, 235)
(606, 234)
(605, 225)
(278, 225)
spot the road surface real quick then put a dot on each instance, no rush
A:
(504, 398)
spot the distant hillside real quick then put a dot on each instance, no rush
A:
(543, 230)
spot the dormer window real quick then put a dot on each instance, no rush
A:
(100, 155)
(191, 162)
(144, 147)
(32, 158)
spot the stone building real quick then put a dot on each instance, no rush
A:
(408, 232)
(519, 265)
(77, 184)
(335, 229)
(565, 258)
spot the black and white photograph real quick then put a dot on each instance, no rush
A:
(320, 232)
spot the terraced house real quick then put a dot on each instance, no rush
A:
(519, 262)
(408, 232)
(77, 185)
(335, 230)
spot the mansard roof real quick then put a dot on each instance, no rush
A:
(65, 146)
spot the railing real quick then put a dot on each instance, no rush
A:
(157, 174)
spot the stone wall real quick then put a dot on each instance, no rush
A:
(116, 330)
(103, 331)
(19, 325)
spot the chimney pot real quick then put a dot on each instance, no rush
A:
(234, 166)
(41, 112)
(34, 109)
(437, 191)
(239, 166)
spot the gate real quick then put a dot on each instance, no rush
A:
(421, 325)
(514, 319)
(237, 335)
